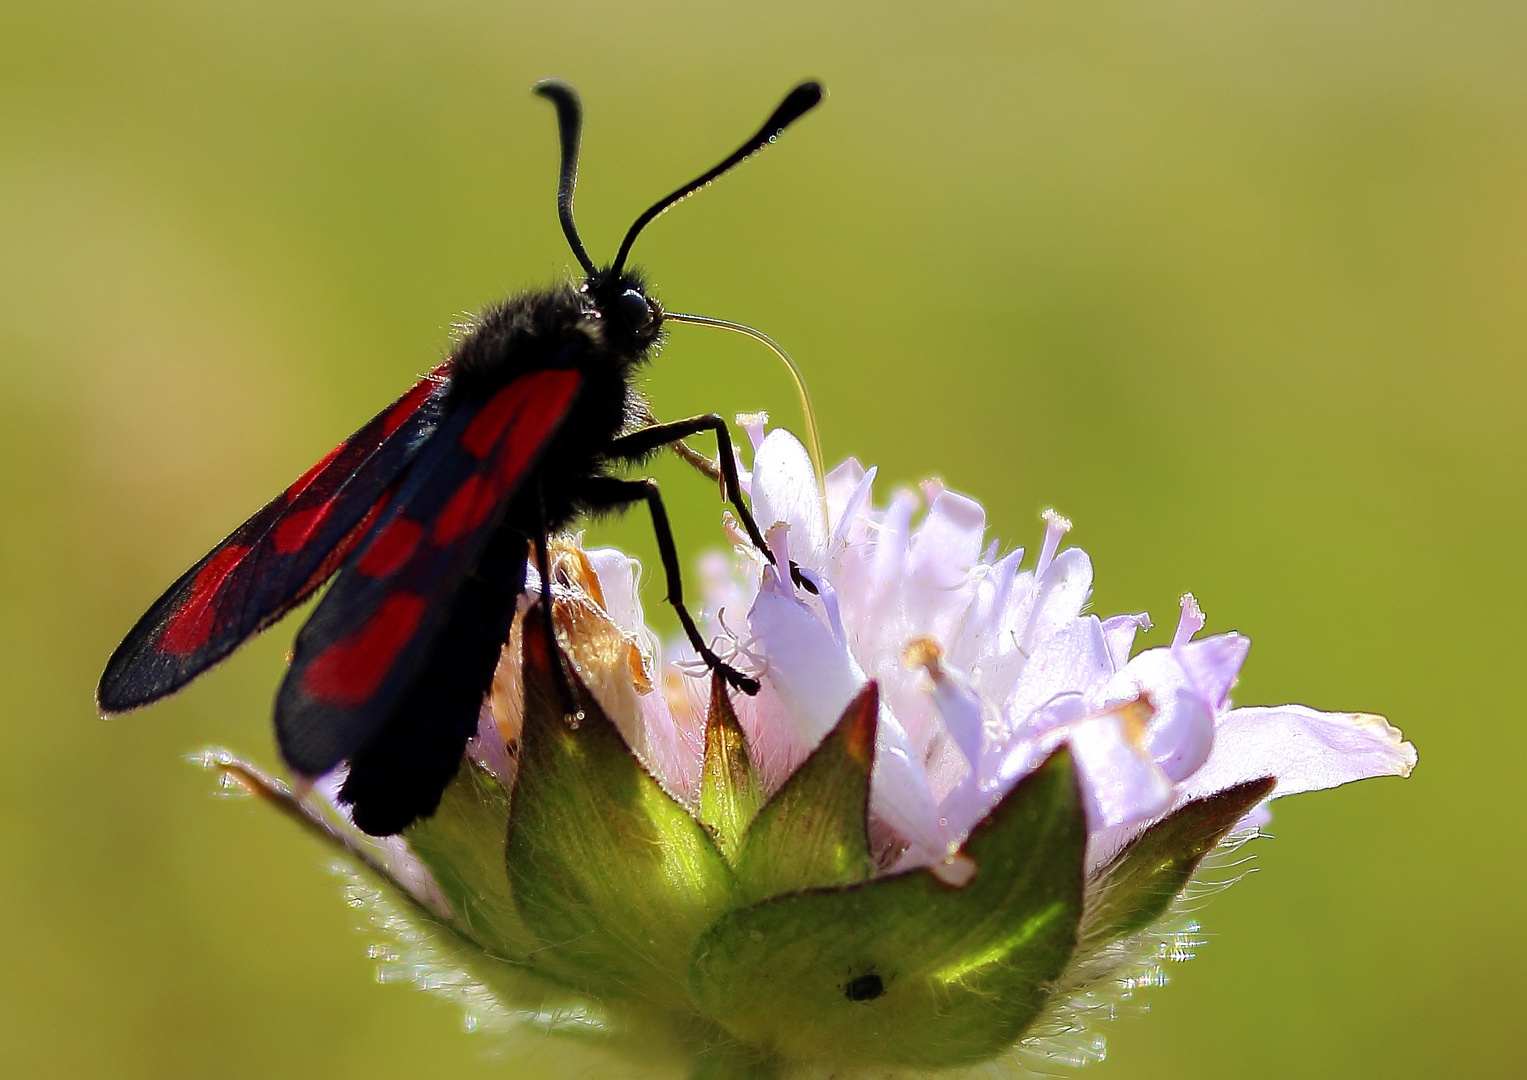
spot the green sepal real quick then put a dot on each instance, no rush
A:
(462, 843)
(731, 790)
(908, 970)
(1141, 881)
(614, 876)
(812, 833)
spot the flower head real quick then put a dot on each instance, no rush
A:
(960, 809)
(984, 667)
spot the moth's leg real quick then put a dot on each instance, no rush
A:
(701, 463)
(611, 493)
(639, 444)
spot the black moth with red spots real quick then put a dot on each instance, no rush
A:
(425, 519)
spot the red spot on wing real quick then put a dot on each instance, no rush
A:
(483, 432)
(551, 392)
(297, 527)
(391, 548)
(342, 550)
(312, 474)
(349, 671)
(408, 404)
(192, 624)
(518, 420)
(468, 508)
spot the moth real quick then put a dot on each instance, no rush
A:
(425, 520)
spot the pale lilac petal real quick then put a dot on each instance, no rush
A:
(785, 489)
(1213, 663)
(1182, 730)
(811, 670)
(827, 596)
(1304, 749)
(891, 545)
(840, 485)
(978, 643)
(489, 749)
(1004, 577)
(947, 543)
(1121, 785)
(848, 515)
(899, 793)
(1061, 594)
(1071, 661)
(1059, 711)
(775, 745)
(1119, 632)
(725, 593)
(1180, 735)
(960, 709)
(674, 750)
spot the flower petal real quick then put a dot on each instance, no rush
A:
(1213, 664)
(1306, 750)
(1072, 660)
(899, 792)
(1120, 632)
(1060, 595)
(1120, 782)
(841, 486)
(1182, 730)
(811, 670)
(948, 542)
(785, 489)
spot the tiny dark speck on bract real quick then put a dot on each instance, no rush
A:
(864, 988)
(426, 518)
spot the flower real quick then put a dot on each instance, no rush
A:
(956, 823)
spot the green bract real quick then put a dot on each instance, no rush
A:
(753, 937)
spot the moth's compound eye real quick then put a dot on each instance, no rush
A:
(635, 310)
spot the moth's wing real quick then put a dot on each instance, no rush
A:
(359, 655)
(274, 560)
(398, 776)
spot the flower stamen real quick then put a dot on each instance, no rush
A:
(1190, 622)
(1056, 527)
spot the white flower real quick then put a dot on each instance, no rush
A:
(984, 668)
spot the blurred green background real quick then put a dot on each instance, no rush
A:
(1241, 287)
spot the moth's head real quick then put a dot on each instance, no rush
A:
(630, 318)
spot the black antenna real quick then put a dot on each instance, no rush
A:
(570, 125)
(797, 103)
